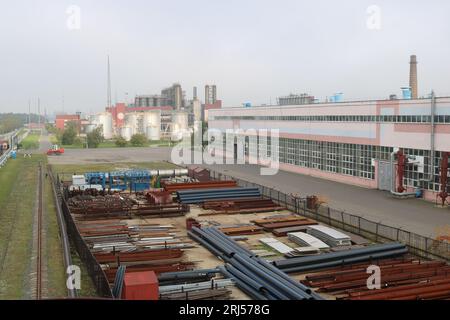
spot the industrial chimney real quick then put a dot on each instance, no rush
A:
(413, 76)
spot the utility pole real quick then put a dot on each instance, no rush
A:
(109, 86)
(39, 112)
(29, 114)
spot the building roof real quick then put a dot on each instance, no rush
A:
(68, 116)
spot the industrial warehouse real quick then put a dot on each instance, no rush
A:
(399, 145)
(225, 159)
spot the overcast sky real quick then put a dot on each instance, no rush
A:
(253, 50)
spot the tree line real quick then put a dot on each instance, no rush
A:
(12, 121)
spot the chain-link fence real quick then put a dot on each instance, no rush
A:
(94, 269)
(419, 245)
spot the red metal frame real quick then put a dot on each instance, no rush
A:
(400, 171)
(444, 178)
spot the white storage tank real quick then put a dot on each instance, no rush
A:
(105, 120)
(132, 122)
(125, 132)
(90, 127)
(152, 124)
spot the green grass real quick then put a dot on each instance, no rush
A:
(112, 144)
(31, 141)
(56, 282)
(53, 139)
(17, 199)
(87, 286)
(18, 182)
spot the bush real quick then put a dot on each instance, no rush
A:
(77, 141)
(121, 142)
(68, 136)
(95, 137)
(138, 140)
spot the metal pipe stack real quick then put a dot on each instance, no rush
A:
(334, 259)
(202, 195)
(255, 276)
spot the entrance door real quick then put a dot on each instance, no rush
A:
(384, 175)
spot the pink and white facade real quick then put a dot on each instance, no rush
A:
(351, 142)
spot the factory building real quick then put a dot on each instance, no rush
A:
(150, 101)
(295, 99)
(397, 145)
(62, 120)
(210, 94)
(159, 117)
(174, 96)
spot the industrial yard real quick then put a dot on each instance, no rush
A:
(135, 220)
(225, 159)
(170, 226)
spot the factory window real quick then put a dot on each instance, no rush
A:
(342, 118)
(332, 157)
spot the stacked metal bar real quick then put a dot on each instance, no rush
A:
(333, 259)
(307, 240)
(404, 279)
(253, 275)
(329, 235)
(237, 206)
(202, 195)
(241, 230)
(199, 275)
(121, 206)
(274, 223)
(173, 187)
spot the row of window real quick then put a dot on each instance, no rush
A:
(344, 158)
(344, 118)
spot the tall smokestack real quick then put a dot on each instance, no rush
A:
(413, 76)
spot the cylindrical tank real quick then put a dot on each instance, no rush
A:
(132, 122)
(125, 132)
(197, 109)
(179, 125)
(152, 124)
(90, 127)
(338, 97)
(406, 93)
(105, 120)
(169, 172)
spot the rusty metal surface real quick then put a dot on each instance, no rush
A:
(401, 279)
(173, 187)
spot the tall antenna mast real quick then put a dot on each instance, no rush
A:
(39, 112)
(109, 85)
(29, 113)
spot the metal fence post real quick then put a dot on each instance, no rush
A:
(342, 220)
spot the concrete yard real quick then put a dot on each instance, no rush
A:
(412, 215)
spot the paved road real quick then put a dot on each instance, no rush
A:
(111, 155)
(412, 214)
(44, 143)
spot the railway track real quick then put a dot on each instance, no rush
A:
(39, 234)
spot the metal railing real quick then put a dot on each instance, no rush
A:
(419, 245)
(5, 156)
(98, 276)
